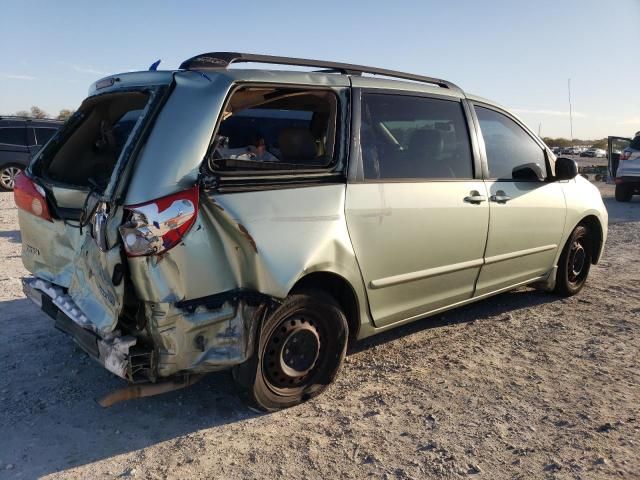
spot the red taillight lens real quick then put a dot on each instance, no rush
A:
(30, 197)
(625, 155)
(155, 227)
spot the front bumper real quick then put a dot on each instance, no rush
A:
(117, 353)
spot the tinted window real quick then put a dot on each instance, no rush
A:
(13, 136)
(44, 134)
(509, 148)
(414, 137)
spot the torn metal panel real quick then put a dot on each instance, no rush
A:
(202, 339)
(257, 241)
(113, 351)
(92, 287)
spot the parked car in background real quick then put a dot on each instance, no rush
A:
(255, 220)
(627, 173)
(594, 153)
(20, 138)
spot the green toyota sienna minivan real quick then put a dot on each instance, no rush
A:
(208, 218)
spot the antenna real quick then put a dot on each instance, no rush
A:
(570, 112)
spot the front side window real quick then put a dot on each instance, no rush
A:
(13, 136)
(44, 134)
(511, 152)
(407, 137)
(276, 129)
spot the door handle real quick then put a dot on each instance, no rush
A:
(475, 198)
(500, 197)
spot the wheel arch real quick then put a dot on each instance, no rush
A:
(593, 224)
(340, 290)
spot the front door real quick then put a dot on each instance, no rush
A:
(527, 212)
(615, 146)
(417, 216)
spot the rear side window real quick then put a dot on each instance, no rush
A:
(275, 129)
(509, 148)
(43, 135)
(13, 136)
(406, 137)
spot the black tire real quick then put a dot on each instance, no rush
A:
(623, 193)
(575, 262)
(299, 351)
(8, 172)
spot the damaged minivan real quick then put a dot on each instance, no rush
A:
(210, 218)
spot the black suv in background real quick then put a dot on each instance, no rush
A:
(19, 138)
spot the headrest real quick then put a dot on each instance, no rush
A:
(426, 141)
(296, 144)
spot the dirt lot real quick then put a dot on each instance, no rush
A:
(523, 385)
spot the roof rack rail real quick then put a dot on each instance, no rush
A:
(224, 59)
(33, 119)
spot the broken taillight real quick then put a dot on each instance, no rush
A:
(30, 197)
(625, 155)
(156, 226)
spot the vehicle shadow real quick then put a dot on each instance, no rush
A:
(12, 235)
(499, 305)
(48, 394)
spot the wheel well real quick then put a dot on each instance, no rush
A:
(340, 290)
(593, 224)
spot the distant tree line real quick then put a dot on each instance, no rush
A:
(564, 142)
(37, 112)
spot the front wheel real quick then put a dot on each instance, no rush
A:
(8, 174)
(299, 351)
(575, 262)
(623, 193)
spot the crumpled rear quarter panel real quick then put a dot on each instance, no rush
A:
(262, 241)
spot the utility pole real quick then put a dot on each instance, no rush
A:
(570, 112)
(539, 129)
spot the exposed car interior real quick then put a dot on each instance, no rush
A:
(95, 140)
(275, 129)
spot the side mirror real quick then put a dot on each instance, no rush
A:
(528, 172)
(566, 168)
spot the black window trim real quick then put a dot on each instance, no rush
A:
(24, 145)
(355, 166)
(35, 133)
(334, 172)
(483, 148)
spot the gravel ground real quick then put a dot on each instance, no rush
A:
(523, 385)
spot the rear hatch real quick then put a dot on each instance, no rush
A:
(68, 199)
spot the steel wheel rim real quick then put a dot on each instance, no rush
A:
(293, 352)
(8, 177)
(577, 261)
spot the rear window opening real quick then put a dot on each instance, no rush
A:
(92, 141)
(275, 129)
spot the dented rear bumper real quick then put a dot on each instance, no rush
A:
(116, 352)
(196, 336)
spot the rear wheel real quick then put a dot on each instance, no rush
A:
(8, 174)
(299, 351)
(623, 193)
(575, 262)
